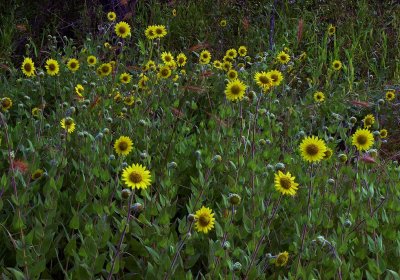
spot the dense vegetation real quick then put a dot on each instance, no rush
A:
(200, 140)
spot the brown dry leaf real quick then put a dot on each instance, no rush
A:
(199, 46)
(123, 2)
(128, 16)
(246, 23)
(21, 27)
(300, 27)
(194, 88)
(360, 103)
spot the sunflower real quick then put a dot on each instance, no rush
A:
(205, 57)
(303, 56)
(73, 64)
(79, 89)
(181, 59)
(164, 72)
(174, 12)
(362, 139)
(222, 23)
(263, 80)
(336, 65)
(160, 31)
(129, 100)
(36, 112)
(28, 67)
(204, 220)
(331, 30)
(319, 96)
(91, 60)
(226, 66)
(312, 149)
(123, 145)
(217, 64)
(227, 58)
(390, 95)
(285, 184)
(283, 57)
(368, 120)
(242, 51)
(232, 53)
(167, 58)
(383, 133)
(122, 29)
(6, 103)
(282, 259)
(52, 67)
(68, 124)
(142, 83)
(125, 78)
(232, 74)
(235, 90)
(105, 69)
(136, 176)
(328, 153)
(111, 16)
(276, 77)
(150, 32)
(37, 174)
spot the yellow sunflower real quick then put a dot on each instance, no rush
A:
(105, 69)
(52, 67)
(167, 58)
(125, 78)
(28, 67)
(235, 90)
(232, 74)
(142, 83)
(383, 133)
(164, 72)
(242, 51)
(79, 89)
(181, 59)
(222, 23)
(362, 139)
(282, 259)
(390, 95)
(150, 32)
(331, 30)
(37, 174)
(227, 65)
(68, 124)
(6, 103)
(204, 220)
(312, 149)
(283, 57)
(368, 120)
(73, 64)
(136, 176)
(123, 146)
(36, 112)
(232, 53)
(205, 57)
(328, 153)
(122, 29)
(129, 100)
(217, 64)
(276, 77)
(285, 184)
(160, 31)
(263, 80)
(91, 60)
(336, 65)
(319, 96)
(111, 16)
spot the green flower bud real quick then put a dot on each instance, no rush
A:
(280, 166)
(234, 199)
(342, 158)
(126, 193)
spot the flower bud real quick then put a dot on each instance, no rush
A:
(124, 164)
(342, 158)
(280, 166)
(237, 266)
(234, 199)
(353, 120)
(106, 130)
(137, 208)
(111, 157)
(381, 101)
(172, 165)
(126, 193)
(347, 223)
(217, 158)
(198, 154)
(226, 245)
(331, 181)
(191, 218)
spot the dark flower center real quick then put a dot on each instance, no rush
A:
(27, 67)
(122, 30)
(123, 146)
(204, 220)
(362, 139)
(52, 67)
(235, 89)
(312, 149)
(264, 80)
(73, 65)
(285, 183)
(135, 177)
(274, 77)
(5, 103)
